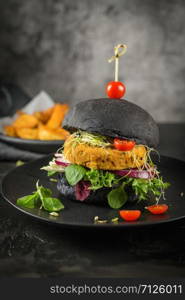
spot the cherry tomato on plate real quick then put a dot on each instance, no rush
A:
(123, 145)
(130, 215)
(115, 89)
(157, 209)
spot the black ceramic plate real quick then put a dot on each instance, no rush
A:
(38, 146)
(21, 181)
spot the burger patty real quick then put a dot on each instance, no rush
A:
(104, 158)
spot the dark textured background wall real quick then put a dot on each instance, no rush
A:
(63, 47)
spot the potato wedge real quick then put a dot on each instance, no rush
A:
(45, 133)
(63, 132)
(10, 130)
(57, 116)
(25, 121)
(27, 133)
(43, 116)
(43, 125)
(20, 112)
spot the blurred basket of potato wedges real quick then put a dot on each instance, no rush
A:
(41, 125)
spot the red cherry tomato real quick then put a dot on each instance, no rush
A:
(130, 215)
(158, 209)
(123, 145)
(116, 89)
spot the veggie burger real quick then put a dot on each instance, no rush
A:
(107, 157)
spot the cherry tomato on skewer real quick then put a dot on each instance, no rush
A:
(115, 89)
(123, 145)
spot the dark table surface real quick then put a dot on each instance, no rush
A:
(32, 249)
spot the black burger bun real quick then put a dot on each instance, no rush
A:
(113, 118)
(96, 197)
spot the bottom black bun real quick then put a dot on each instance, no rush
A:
(97, 197)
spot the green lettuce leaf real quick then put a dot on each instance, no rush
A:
(74, 173)
(117, 197)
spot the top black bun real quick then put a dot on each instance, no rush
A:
(114, 118)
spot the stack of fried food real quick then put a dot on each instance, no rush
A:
(42, 125)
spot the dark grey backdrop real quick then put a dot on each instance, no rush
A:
(63, 47)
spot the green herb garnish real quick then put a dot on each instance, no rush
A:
(145, 188)
(100, 179)
(97, 178)
(74, 173)
(83, 137)
(51, 173)
(117, 197)
(41, 198)
(29, 201)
